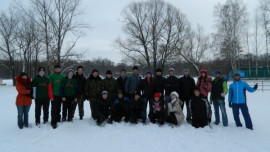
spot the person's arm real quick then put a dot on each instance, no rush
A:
(21, 89)
(50, 88)
(230, 94)
(225, 87)
(34, 85)
(209, 84)
(127, 85)
(248, 88)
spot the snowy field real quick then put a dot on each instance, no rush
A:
(85, 136)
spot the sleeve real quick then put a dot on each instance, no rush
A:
(209, 84)
(248, 88)
(21, 89)
(34, 92)
(127, 85)
(225, 88)
(76, 88)
(62, 93)
(50, 88)
(86, 88)
(230, 94)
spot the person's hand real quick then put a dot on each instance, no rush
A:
(230, 104)
(256, 86)
(52, 99)
(222, 94)
(63, 99)
(75, 100)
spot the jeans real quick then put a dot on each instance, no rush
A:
(245, 113)
(220, 104)
(23, 115)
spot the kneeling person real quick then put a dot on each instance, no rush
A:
(102, 109)
(156, 113)
(138, 109)
(175, 112)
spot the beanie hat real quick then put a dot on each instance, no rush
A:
(94, 70)
(109, 72)
(120, 92)
(104, 92)
(70, 70)
(156, 95)
(123, 70)
(79, 67)
(217, 73)
(41, 69)
(236, 74)
(135, 68)
(197, 89)
(22, 74)
(186, 70)
(57, 66)
(175, 93)
(158, 70)
(203, 71)
(138, 93)
(148, 72)
(172, 69)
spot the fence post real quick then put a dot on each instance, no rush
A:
(262, 85)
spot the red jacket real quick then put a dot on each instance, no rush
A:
(205, 86)
(21, 85)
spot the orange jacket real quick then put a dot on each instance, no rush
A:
(22, 99)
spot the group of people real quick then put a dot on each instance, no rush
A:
(126, 98)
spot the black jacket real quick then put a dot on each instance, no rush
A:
(171, 84)
(81, 81)
(102, 108)
(186, 87)
(217, 89)
(121, 83)
(146, 88)
(159, 82)
(138, 105)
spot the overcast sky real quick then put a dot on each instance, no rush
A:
(104, 18)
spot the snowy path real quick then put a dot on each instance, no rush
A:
(84, 135)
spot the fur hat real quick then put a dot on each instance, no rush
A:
(175, 93)
(104, 92)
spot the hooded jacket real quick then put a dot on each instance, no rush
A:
(24, 89)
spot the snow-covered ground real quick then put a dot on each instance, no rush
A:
(85, 136)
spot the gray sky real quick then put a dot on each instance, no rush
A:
(104, 18)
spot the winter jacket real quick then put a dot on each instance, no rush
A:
(237, 92)
(102, 108)
(177, 110)
(93, 88)
(69, 88)
(121, 83)
(205, 85)
(159, 82)
(54, 85)
(24, 91)
(218, 86)
(186, 87)
(171, 84)
(40, 87)
(110, 85)
(132, 84)
(81, 80)
(153, 105)
(146, 88)
(138, 105)
(201, 112)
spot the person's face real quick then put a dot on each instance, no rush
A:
(148, 75)
(95, 74)
(105, 96)
(41, 73)
(137, 97)
(171, 73)
(24, 77)
(197, 93)
(186, 73)
(173, 97)
(158, 73)
(80, 71)
(135, 71)
(217, 76)
(123, 73)
(156, 99)
(70, 75)
(57, 70)
(109, 76)
(203, 74)
(120, 95)
(236, 78)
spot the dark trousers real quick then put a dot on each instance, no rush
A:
(42, 103)
(80, 107)
(157, 117)
(23, 115)
(56, 110)
(245, 113)
(92, 107)
(188, 110)
(171, 118)
(120, 111)
(67, 108)
(138, 114)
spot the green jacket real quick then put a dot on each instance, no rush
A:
(40, 87)
(110, 85)
(55, 81)
(69, 87)
(93, 88)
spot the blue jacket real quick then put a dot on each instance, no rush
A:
(237, 91)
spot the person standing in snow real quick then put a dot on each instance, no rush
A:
(132, 83)
(186, 87)
(238, 100)
(122, 80)
(175, 114)
(93, 89)
(156, 113)
(69, 95)
(111, 85)
(159, 82)
(204, 83)
(218, 93)
(81, 80)
(40, 94)
(200, 110)
(55, 80)
(23, 100)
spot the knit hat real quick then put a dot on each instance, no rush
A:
(135, 68)
(172, 69)
(203, 71)
(23, 73)
(148, 72)
(156, 95)
(57, 66)
(158, 70)
(94, 70)
(236, 74)
(109, 72)
(123, 70)
(119, 91)
(186, 70)
(104, 92)
(217, 73)
(79, 67)
(138, 93)
(41, 69)
(175, 93)
(70, 70)
(197, 89)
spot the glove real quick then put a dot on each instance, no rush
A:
(230, 104)
(256, 86)
(222, 94)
